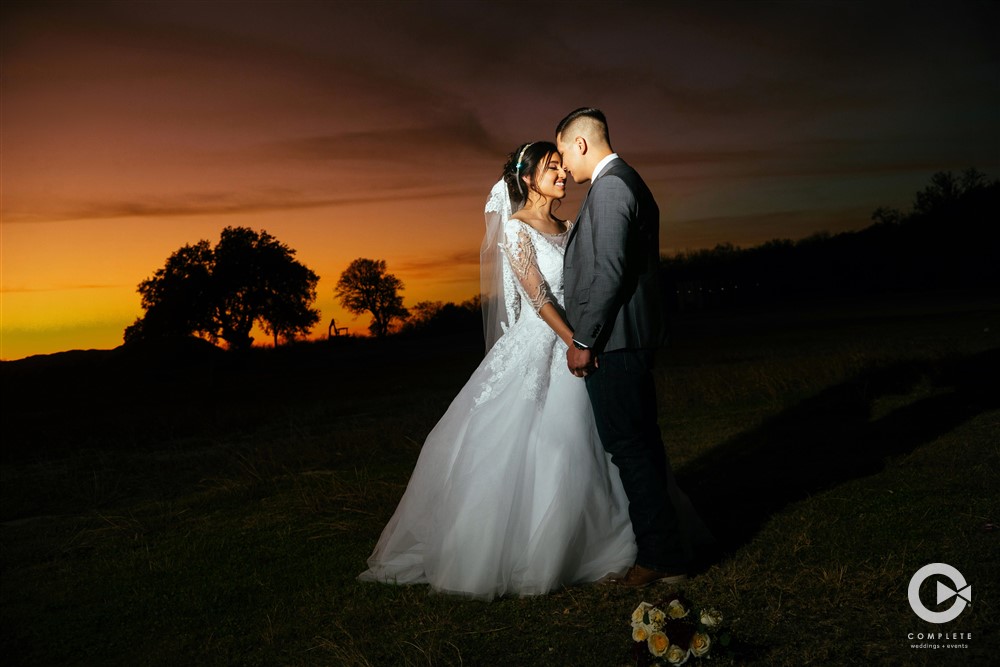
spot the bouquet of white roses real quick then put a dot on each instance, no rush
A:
(670, 632)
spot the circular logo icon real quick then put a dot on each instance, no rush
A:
(960, 590)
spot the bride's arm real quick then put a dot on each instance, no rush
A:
(551, 315)
(521, 254)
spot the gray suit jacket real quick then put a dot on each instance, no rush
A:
(611, 270)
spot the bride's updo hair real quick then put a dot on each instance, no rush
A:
(524, 162)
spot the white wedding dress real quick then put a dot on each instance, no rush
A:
(513, 493)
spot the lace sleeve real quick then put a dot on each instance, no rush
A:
(520, 254)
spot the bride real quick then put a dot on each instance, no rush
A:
(513, 492)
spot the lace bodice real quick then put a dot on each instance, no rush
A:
(532, 268)
(532, 274)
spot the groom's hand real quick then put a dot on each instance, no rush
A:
(580, 362)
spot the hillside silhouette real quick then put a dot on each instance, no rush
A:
(145, 393)
(949, 240)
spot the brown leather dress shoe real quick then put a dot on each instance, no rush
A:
(640, 577)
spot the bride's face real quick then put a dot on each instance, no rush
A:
(550, 178)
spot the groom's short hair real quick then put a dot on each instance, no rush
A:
(590, 117)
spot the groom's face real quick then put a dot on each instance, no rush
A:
(572, 159)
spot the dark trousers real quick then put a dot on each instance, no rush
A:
(623, 394)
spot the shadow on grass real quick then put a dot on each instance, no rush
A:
(834, 437)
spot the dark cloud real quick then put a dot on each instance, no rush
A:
(463, 136)
(220, 204)
(820, 158)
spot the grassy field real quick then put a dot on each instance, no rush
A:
(181, 506)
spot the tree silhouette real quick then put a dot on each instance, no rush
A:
(178, 298)
(257, 279)
(220, 293)
(364, 286)
(946, 191)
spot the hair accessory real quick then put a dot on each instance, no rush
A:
(517, 169)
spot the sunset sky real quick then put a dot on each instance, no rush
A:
(376, 129)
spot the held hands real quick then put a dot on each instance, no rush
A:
(581, 362)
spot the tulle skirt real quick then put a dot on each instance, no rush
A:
(513, 493)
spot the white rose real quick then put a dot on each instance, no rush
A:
(676, 610)
(640, 632)
(700, 643)
(676, 655)
(658, 644)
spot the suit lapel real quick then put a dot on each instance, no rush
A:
(579, 216)
(583, 206)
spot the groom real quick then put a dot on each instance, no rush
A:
(613, 305)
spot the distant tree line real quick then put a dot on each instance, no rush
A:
(438, 318)
(948, 240)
